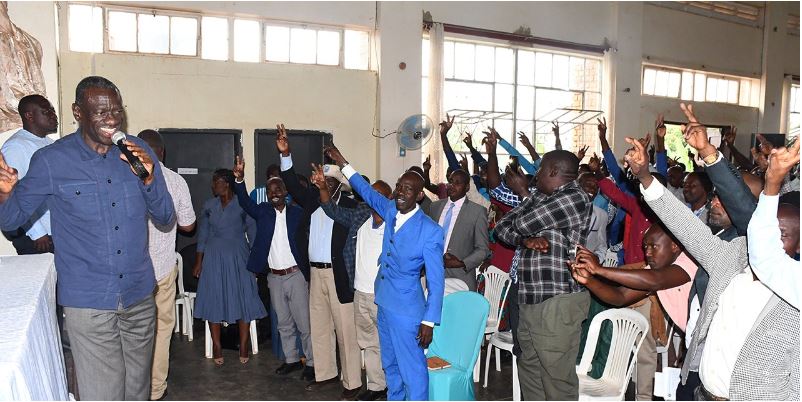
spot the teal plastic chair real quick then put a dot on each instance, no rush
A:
(458, 340)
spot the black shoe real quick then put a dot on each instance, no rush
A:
(313, 386)
(308, 374)
(349, 394)
(369, 395)
(287, 368)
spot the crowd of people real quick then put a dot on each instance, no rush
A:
(358, 270)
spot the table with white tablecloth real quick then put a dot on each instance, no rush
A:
(31, 360)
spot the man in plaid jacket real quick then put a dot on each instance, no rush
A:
(548, 223)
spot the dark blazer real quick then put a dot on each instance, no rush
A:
(265, 216)
(309, 200)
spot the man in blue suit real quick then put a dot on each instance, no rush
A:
(406, 317)
(280, 248)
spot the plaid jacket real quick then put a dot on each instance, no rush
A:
(767, 366)
(563, 219)
(353, 219)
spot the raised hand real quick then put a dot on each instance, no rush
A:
(491, 140)
(524, 139)
(334, 154)
(695, 133)
(638, 159)
(446, 124)
(555, 128)
(602, 127)
(780, 162)
(463, 163)
(468, 140)
(581, 153)
(239, 168)
(427, 164)
(282, 143)
(8, 178)
(516, 182)
(317, 178)
(594, 163)
(765, 145)
(729, 138)
(660, 126)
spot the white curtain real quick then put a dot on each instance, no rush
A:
(608, 91)
(434, 106)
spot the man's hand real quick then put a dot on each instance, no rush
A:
(491, 140)
(695, 133)
(282, 143)
(781, 161)
(8, 178)
(196, 269)
(334, 154)
(44, 244)
(581, 153)
(424, 335)
(638, 160)
(580, 274)
(468, 140)
(317, 178)
(446, 124)
(595, 163)
(516, 182)
(537, 243)
(463, 163)
(586, 259)
(765, 145)
(143, 156)
(450, 261)
(427, 164)
(555, 128)
(602, 127)
(729, 138)
(660, 126)
(524, 139)
(239, 168)
(485, 265)
(761, 161)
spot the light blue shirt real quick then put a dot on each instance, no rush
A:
(17, 151)
(320, 227)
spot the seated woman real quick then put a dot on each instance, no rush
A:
(227, 290)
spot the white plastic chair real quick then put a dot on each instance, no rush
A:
(452, 285)
(666, 380)
(181, 300)
(629, 328)
(496, 285)
(503, 340)
(254, 339)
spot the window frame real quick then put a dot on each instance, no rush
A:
(136, 11)
(707, 76)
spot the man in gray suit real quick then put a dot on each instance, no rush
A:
(465, 226)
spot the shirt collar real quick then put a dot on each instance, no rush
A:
(88, 153)
(458, 203)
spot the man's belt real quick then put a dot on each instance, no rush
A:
(710, 397)
(285, 271)
(320, 265)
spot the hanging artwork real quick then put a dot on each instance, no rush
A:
(20, 69)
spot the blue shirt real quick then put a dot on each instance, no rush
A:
(17, 151)
(99, 211)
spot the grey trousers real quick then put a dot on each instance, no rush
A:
(647, 358)
(367, 336)
(548, 333)
(113, 350)
(289, 295)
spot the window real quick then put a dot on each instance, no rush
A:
(699, 86)
(737, 12)
(516, 89)
(85, 28)
(151, 33)
(221, 38)
(793, 112)
(246, 40)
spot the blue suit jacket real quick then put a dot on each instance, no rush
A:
(265, 216)
(418, 243)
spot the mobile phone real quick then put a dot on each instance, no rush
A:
(573, 252)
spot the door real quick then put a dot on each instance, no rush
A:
(306, 146)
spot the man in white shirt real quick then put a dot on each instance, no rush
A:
(161, 246)
(38, 120)
(366, 235)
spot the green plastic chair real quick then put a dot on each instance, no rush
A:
(458, 340)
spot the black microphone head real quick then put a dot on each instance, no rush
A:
(117, 137)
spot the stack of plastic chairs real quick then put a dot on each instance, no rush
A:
(458, 340)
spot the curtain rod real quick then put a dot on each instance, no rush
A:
(531, 40)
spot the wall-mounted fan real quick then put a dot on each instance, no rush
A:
(414, 131)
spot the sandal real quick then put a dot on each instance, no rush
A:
(218, 361)
(244, 359)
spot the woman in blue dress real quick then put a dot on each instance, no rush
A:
(226, 290)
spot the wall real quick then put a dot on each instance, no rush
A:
(190, 93)
(39, 20)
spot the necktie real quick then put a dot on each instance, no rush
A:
(447, 221)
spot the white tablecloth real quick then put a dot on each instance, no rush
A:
(31, 360)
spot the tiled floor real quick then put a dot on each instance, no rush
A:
(193, 377)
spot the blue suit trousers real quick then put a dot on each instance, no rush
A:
(402, 358)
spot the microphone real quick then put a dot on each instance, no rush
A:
(139, 168)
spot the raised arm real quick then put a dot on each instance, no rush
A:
(427, 181)
(306, 197)
(344, 216)
(445, 126)
(661, 159)
(383, 206)
(555, 128)
(245, 202)
(620, 198)
(527, 166)
(493, 173)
